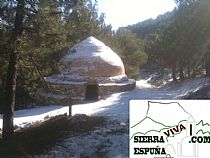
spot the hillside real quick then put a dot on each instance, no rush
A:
(150, 26)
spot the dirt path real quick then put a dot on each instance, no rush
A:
(111, 141)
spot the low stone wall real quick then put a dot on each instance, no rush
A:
(46, 97)
(62, 94)
(66, 94)
(105, 89)
(73, 90)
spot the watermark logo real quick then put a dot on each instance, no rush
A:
(163, 129)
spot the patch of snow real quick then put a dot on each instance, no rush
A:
(79, 118)
(102, 142)
(91, 50)
(105, 141)
(143, 84)
(116, 106)
(23, 118)
(130, 81)
(116, 79)
(58, 81)
(82, 68)
(67, 75)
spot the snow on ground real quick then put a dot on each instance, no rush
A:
(143, 84)
(26, 117)
(116, 106)
(110, 141)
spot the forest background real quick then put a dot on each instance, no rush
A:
(35, 34)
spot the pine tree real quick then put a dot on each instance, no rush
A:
(131, 50)
(8, 128)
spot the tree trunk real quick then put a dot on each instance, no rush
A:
(188, 71)
(174, 73)
(181, 72)
(8, 127)
(207, 69)
(194, 73)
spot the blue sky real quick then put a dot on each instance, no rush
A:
(124, 12)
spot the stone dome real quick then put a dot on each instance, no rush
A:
(90, 70)
(92, 59)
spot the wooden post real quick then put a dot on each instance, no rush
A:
(70, 111)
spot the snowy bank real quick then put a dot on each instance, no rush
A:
(115, 106)
(106, 142)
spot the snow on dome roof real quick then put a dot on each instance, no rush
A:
(91, 49)
(92, 40)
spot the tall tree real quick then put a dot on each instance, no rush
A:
(183, 44)
(8, 127)
(131, 50)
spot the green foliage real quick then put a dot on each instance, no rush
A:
(152, 26)
(82, 21)
(131, 50)
(4, 52)
(50, 28)
(184, 43)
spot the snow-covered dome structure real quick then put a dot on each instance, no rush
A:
(91, 58)
(90, 70)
